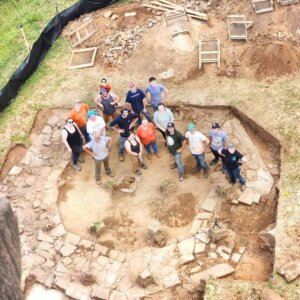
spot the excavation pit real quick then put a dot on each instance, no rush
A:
(44, 181)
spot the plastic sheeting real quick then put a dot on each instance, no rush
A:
(43, 44)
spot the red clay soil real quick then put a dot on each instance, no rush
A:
(274, 59)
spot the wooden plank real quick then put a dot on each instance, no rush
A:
(85, 31)
(189, 11)
(155, 7)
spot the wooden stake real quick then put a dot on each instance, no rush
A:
(25, 40)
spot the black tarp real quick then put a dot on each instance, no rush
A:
(43, 44)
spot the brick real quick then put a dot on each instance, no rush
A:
(58, 231)
(113, 254)
(171, 280)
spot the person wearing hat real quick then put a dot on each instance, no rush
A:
(232, 162)
(218, 141)
(197, 143)
(175, 143)
(134, 148)
(79, 115)
(137, 99)
(99, 150)
(122, 124)
(104, 84)
(95, 125)
(108, 104)
(162, 117)
(155, 93)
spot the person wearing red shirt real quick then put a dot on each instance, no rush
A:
(79, 115)
(146, 133)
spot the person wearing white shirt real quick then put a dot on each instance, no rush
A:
(197, 143)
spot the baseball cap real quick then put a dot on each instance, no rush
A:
(132, 85)
(191, 126)
(103, 80)
(91, 113)
(103, 90)
(231, 145)
(170, 125)
(215, 125)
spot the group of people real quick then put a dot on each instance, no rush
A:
(137, 131)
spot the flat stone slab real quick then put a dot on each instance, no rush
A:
(236, 257)
(210, 202)
(67, 250)
(268, 294)
(187, 246)
(290, 271)
(78, 291)
(218, 271)
(185, 259)
(248, 197)
(171, 280)
(199, 248)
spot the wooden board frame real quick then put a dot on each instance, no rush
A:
(238, 20)
(257, 3)
(216, 53)
(287, 2)
(90, 64)
(82, 33)
(177, 21)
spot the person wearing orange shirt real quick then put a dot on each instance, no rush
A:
(79, 115)
(146, 133)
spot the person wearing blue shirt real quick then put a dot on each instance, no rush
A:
(138, 102)
(155, 93)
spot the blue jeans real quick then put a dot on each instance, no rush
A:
(235, 175)
(153, 146)
(179, 164)
(121, 144)
(85, 134)
(200, 160)
(154, 106)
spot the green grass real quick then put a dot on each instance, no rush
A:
(33, 15)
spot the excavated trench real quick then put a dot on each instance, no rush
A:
(126, 216)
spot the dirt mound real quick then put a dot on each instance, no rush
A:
(174, 212)
(273, 59)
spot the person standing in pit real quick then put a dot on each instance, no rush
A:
(138, 102)
(162, 117)
(108, 105)
(72, 138)
(218, 141)
(176, 143)
(95, 125)
(79, 115)
(232, 162)
(155, 93)
(99, 150)
(197, 143)
(122, 124)
(147, 136)
(134, 147)
(105, 85)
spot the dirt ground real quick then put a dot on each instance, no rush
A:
(261, 77)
